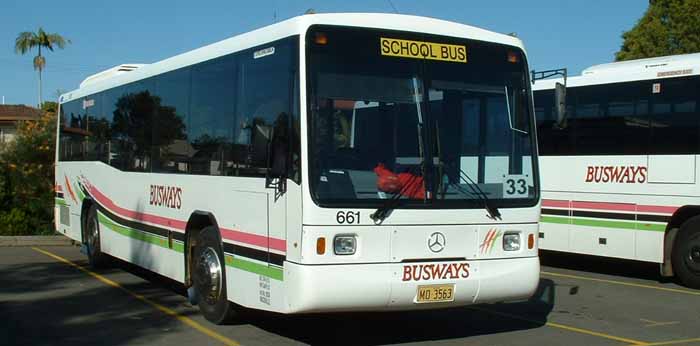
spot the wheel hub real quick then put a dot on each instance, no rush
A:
(209, 275)
(695, 254)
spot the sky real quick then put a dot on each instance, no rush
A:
(571, 34)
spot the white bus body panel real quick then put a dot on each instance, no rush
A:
(631, 213)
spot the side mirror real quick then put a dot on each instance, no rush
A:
(560, 104)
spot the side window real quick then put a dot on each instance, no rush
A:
(172, 152)
(675, 120)
(266, 77)
(610, 119)
(132, 126)
(72, 133)
(211, 116)
(110, 102)
(99, 128)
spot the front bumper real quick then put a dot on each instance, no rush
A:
(378, 287)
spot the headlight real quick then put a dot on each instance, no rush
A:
(344, 244)
(511, 241)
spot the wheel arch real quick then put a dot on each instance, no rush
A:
(680, 216)
(198, 220)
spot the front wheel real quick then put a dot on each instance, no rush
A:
(686, 253)
(209, 276)
(96, 257)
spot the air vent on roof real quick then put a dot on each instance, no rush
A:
(106, 74)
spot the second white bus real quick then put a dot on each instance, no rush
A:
(620, 169)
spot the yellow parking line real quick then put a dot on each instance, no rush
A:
(565, 327)
(186, 320)
(674, 290)
(674, 342)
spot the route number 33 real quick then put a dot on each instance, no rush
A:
(515, 186)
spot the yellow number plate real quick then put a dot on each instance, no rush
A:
(436, 293)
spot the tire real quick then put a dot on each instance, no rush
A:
(209, 277)
(686, 253)
(96, 257)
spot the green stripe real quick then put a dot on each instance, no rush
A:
(60, 201)
(265, 270)
(493, 241)
(77, 189)
(237, 262)
(135, 234)
(641, 226)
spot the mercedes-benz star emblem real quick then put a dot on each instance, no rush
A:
(436, 242)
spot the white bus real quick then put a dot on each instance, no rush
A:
(284, 169)
(620, 168)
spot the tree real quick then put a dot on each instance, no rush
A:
(668, 27)
(27, 40)
(50, 106)
(27, 178)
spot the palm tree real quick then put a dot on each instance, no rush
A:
(27, 40)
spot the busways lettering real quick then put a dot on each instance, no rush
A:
(168, 196)
(616, 174)
(435, 271)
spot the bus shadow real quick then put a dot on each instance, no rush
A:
(603, 265)
(412, 326)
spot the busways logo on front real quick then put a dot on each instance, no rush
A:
(616, 174)
(435, 271)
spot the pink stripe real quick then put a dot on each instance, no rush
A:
(610, 206)
(254, 239)
(229, 234)
(553, 203)
(154, 219)
(656, 209)
(603, 206)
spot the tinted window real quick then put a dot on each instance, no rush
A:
(675, 120)
(212, 115)
(607, 121)
(216, 117)
(266, 79)
(553, 138)
(172, 151)
(72, 133)
(98, 128)
(133, 124)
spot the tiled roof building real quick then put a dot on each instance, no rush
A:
(10, 115)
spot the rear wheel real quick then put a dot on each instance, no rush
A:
(96, 258)
(686, 253)
(209, 276)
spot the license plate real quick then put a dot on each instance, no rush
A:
(435, 293)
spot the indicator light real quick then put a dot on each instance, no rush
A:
(321, 246)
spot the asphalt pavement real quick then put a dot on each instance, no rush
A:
(48, 296)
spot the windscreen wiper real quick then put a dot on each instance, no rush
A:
(494, 214)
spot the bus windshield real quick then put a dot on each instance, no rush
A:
(442, 132)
